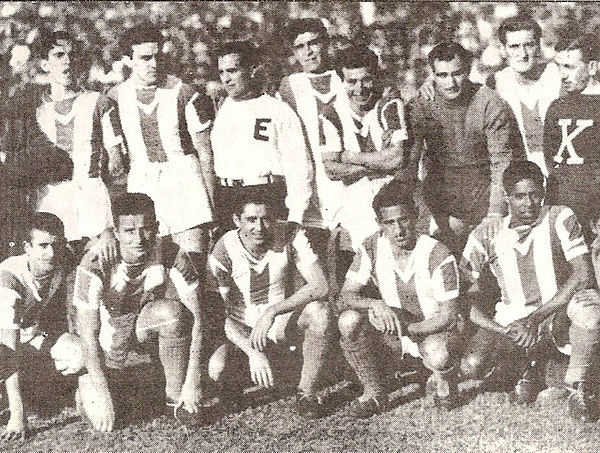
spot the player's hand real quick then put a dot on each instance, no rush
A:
(258, 336)
(523, 332)
(190, 398)
(490, 226)
(97, 404)
(384, 319)
(16, 429)
(260, 369)
(108, 248)
(427, 89)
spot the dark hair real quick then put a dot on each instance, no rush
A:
(47, 39)
(308, 25)
(48, 222)
(247, 52)
(357, 56)
(140, 34)
(447, 50)
(133, 204)
(517, 23)
(587, 43)
(252, 195)
(395, 193)
(519, 170)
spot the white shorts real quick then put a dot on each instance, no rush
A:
(177, 189)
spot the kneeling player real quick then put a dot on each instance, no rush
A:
(255, 266)
(543, 269)
(417, 278)
(149, 295)
(33, 316)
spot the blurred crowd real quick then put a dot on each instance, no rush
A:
(401, 33)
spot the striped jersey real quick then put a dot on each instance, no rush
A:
(249, 285)
(125, 288)
(29, 304)
(529, 262)
(429, 279)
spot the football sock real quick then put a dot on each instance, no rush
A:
(360, 355)
(584, 343)
(314, 349)
(173, 354)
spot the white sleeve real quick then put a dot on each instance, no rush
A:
(361, 267)
(305, 257)
(8, 301)
(194, 123)
(88, 290)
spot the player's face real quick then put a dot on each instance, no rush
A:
(522, 50)
(309, 50)
(236, 79)
(146, 60)
(360, 86)
(449, 77)
(255, 224)
(525, 201)
(574, 71)
(398, 225)
(59, 64)
(136, 235)
(43, 252)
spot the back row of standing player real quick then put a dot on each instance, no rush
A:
(321, 150)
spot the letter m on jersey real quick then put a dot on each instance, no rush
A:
(567, 140)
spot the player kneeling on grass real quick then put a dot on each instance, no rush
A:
(417, 278)
(255, 267)
(33, 315)
(544, 272)
(149, 295)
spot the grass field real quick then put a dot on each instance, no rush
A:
(485, 422)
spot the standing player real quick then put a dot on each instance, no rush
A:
(377, 143)
(33, 315)
(543, 268)
(572, 130)
(166, 126)
(417, 278)
(527, 84)
(257, 142)
(470, 139)
(151, 294)
(84, 124)
(318, 96)
(255, 267)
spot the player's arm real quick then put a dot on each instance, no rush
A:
(552, 137)
(388, 159)
(296, 164)
(201, 141)
(337, 170)
(17, 423)
(93, 386)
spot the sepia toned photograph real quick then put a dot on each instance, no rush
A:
(300, 226)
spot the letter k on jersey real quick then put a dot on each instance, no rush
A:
(567, 140)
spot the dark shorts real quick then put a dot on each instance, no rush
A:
(227, 198)
(463, 193)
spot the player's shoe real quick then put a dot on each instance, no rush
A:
(369, 407)
(446, 395)
(583, 403)
(529, 386)
(309, 405)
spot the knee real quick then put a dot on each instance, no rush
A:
(317, 318)
(349, 324)
(67, 354)
(435, 353)
(173, 319)
(472, 366)
(584, 309)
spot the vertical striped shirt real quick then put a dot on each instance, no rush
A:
(529, 262)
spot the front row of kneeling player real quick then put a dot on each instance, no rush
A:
(274, 290)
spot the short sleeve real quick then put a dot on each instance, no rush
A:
(393, 120)
(199, 112)
(304, 255)
(219, 264)
(183, 275)
(361, 267)
(88, 289)
(570, 234)
(11, 294)
(444, 274)
(112, 135)
(474, 259)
